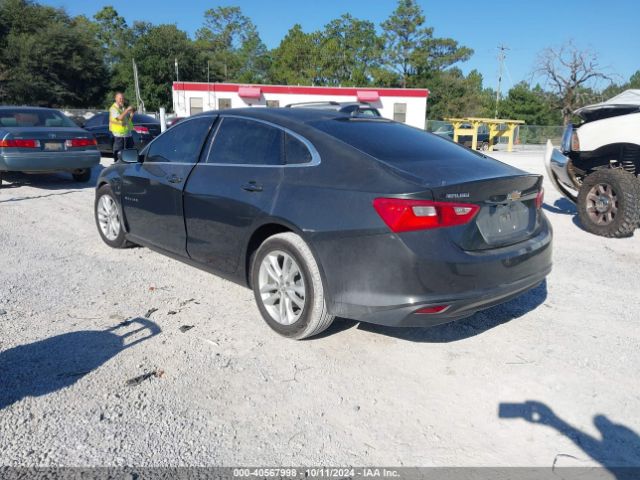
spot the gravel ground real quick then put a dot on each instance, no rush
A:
(79, 388)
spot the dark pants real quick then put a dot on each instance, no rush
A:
(119, 144)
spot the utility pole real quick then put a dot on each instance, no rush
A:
(501, 56)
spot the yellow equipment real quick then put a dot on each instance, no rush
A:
(498, 127)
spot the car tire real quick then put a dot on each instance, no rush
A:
(109, 221)
(83, 175)
(290, 296)
(609, 203)
(484, 146)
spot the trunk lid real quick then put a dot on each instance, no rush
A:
(51, 139)
(506, 196)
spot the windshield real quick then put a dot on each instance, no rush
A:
(23, 117)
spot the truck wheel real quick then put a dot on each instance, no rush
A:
(609, 203)
(288, 287)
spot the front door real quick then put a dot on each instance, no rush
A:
(152, 191)
(232, 190)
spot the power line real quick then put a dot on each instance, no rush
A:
(501, 57)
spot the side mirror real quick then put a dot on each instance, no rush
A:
(130, 155)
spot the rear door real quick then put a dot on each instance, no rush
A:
(152, 190)
(232, 190)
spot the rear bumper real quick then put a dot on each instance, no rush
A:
(460, 307)
(383, 279)
(48, 161)
(556, 165)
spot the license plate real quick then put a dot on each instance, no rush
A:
(503, 222)
(53, 146)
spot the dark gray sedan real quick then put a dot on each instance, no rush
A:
(325, 214)
(44, 140)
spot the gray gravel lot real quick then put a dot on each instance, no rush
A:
(230, 392)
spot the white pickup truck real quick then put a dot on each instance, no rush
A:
(598, 165)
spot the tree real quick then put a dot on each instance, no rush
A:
(113, 33)
(55, 59)
(534, 106)
(155, 52)
(230, 42)
(569, 72)
(454, 95)
(410, 48)
(349, 51)
(295, 61)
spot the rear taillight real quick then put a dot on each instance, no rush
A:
(81, 142)
(402, 215)
(19, 143)
(141, 129)
(540, 198)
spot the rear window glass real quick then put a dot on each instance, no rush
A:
(34, 118)
(140, 118)
(389, 141)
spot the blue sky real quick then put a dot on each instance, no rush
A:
(608, 28)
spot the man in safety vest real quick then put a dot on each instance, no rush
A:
(120, 125)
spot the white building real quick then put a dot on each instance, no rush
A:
(408, 105)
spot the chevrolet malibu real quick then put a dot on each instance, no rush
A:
(325, 214)
(42, 140)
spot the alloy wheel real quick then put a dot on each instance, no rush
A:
(108, 217)
(282, 287)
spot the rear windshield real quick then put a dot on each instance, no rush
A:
(140, 118)
(33, 118)
(389, 141)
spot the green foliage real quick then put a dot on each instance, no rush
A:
(349, 51)
(534, 106)
(411, 50)
(50, 58)
(295, 61)
(454, 95)
(155, 52)
(229, 41)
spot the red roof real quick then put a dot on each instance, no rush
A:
(297, 90)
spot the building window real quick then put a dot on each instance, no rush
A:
(224, 103)
(400, 112)
(195, 105)
(273, 103)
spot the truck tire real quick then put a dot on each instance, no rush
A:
(288, 287)
(609, 203)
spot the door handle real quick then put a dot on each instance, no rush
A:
(252, 187)
(174, 179)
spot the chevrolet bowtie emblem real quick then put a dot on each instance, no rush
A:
(514, 196)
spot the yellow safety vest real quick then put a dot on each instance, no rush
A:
(121, 128)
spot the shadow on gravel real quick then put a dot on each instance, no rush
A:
(467, 327)
(617, 449)
(562, 206)
(52, 364)
(48, 181)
